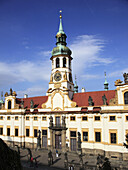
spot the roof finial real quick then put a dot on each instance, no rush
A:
(105, 83)
(61, 27)
(60, 14)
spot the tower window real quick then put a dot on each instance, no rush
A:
(57, 63)
(64, 62)
(70, 77)
(126, 98)
(69, 63)
(9, 104)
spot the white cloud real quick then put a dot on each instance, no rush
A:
(11, 73)
(87, 53)
(45, 53)
(32, 91)
(118, 73)
(91, 76)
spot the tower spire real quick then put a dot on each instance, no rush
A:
(75, 86)
(61, 27)
(105, 83)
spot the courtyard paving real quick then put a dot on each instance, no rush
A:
(41, 156)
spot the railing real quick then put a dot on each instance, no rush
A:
(57, 126)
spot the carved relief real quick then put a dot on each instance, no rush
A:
(113, 101)
(58, 85)
(43, 106)
(73, 104)
(118, 82)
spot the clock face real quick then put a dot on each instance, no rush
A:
(57, 77)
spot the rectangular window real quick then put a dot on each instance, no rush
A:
(44, 132)
(85, 136)
(44, 118)
(1, 117)
(112, 118)
(8, 118)
(27, 132)
(8, 131)
(113, 138)
(72, 118)
(84, 118)
(16, 117)
(27, 117)
(1, 131)
(16, 131)
(35, 118)
(35, 132)
(98, 136)
(72, 133)
(97, 118)
(126, 118)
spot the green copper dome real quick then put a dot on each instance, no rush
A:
(61, 42)
(61, 49)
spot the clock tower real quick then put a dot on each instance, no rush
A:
(61, 87)
(61, 74)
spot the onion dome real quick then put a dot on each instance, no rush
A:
(61, 42)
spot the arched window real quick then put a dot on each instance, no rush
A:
(64, 62)
(57, 63)
(9, 104)
(126, 98)
(70, 77)
(69, 63)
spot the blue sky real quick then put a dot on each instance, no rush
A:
(97, 32)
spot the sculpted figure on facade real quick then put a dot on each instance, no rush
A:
(104, 100)
(32, 104)
(90, 101)
(125, 75)
(51, 121)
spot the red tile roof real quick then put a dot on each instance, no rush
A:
(38, 101)
(82, 98)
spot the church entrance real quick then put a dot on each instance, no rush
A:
(58, 141)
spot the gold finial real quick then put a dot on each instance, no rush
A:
(60, 13)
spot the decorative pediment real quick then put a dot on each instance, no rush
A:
(118, 82)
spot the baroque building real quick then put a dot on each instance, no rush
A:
(63, 117)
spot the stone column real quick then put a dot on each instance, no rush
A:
(63, 141)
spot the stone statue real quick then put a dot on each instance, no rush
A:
(39, 140)
(22, 103)
(90, 101)
(51, 78)
(51, 121)
(32, 104)
(65, 76)
(79, 140)
(10, 91)
(6, 94)
(125, 75)
(104, 100)
(63, 120)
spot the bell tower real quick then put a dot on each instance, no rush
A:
(61, 74)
